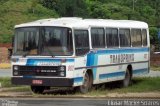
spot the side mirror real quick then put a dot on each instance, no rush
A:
(9, 53)
(12, 41)
(10, 50)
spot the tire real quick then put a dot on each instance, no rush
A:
(47, 88)
(127, 80)
(87, 84)
(37, 89)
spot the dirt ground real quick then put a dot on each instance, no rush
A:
(4, 55)
(154, 95)
(4, 59)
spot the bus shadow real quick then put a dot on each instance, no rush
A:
(109, 86)
(60, 91)
(137, 81)
(115, 84)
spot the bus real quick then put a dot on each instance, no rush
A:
(79, 53)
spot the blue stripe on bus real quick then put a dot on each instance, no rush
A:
(78, 79)
(140, 71)
(119, 51)
(28, 76)
(122, 73)
(33, 62)
(92, 60)
(90, 57)
(70, 60)
(111, 75)
(95, 69)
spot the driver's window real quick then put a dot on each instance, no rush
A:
(81, 42)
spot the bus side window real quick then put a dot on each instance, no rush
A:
(125, 40)
(144, 37)
(112, 37)
(81, 42)
(98, 37)
(136, 37)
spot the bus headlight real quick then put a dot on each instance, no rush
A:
(62, 68)
(15, 67)
(15, 73)
(62, 74)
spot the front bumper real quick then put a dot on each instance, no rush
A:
(54, 82)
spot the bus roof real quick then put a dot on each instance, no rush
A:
(75, 22)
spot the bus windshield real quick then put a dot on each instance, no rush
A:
(47, 41)
(57, 41)
(26, 41)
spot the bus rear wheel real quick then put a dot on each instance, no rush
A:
(38, 89)
(127, 80)
(87, 84)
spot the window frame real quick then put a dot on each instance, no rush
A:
(146, 38)
(140, 36)
(117, 37)
(130, 42)
(104, 37)
(75, 41)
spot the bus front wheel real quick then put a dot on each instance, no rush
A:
(37, 89)
(87, 84)
(127, 80)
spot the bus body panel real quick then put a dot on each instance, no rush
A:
(36, 66)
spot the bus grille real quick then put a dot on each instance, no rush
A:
(39, 71)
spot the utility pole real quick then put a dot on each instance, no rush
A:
(133, 4)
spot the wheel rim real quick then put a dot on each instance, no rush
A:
(127, 79)
(86, 81)
(85, 86)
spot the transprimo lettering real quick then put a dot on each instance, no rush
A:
(121, 58)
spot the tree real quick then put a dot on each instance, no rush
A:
(33, 5)
(67, 8)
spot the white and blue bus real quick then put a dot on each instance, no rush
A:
(78, 53)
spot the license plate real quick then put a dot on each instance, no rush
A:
(38, 82)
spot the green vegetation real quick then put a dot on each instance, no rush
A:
(155, 68)
(19, 11)
(14, 12)
(17, 89)
(5, 83)
(139, 85)
(146, 84)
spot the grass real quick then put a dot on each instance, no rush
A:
(5, 83)
(17, 89)
(138, 85)
(155, 68)
(5, 65)
(146, 84)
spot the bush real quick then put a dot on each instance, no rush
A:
(154, 40)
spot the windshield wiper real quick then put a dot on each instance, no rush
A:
(50, 52)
